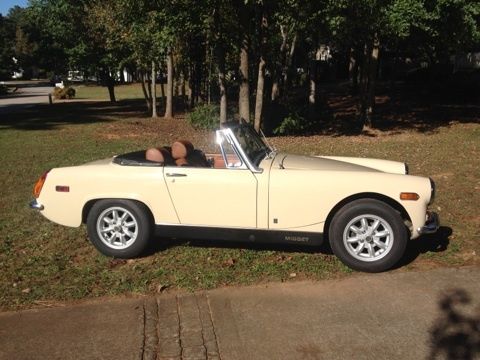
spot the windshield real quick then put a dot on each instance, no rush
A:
(251, 143)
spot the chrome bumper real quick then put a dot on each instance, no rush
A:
(34, 204)
(431, 225)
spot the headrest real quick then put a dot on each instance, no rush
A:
(181, 149)
(157, 154)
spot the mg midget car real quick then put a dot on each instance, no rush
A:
(367, 209)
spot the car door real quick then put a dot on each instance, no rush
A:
(213, 197)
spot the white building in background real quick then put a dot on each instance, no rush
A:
(76, 75)
(17, 74)
(466, 61)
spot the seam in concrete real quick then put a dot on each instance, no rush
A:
(179, 324)
(142, 353)
(213, 325)
(201, 322)
(157, 324)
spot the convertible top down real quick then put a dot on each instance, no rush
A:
(246, 191)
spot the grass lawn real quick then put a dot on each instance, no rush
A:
(42, 262)
(122, 92)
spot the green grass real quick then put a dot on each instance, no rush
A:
(122, 92)
(41, 261)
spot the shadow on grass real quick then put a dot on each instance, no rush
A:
(431, 243)
(437, 242)
(50, 117)
(160, 243)
(405, 107)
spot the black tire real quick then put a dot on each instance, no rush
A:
(135, 237)
(358, 245)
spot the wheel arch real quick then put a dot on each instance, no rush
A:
(89, 204)
(365, 196)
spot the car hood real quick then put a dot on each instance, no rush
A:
(338, 163)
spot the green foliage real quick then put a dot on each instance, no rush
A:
(293, 124)
(204, 117)
(6, 48)
(64, 93)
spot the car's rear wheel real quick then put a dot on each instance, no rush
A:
(119, 228)
(368, 235)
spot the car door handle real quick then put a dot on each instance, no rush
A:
(175, 175)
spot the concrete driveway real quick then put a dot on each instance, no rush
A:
(28, 93)
(399, 315)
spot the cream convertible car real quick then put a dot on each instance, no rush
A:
(247, 191)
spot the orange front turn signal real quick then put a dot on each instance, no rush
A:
(409, 196)
(39, 184)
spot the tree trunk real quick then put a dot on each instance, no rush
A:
(111, 87)
(288, 65)
(363, 83)
(192, 85)
(149, 87)
(154, 91)
(244, 93)
(221, 83)
(279, 66)
(313, 94)
(353, 71)
(259, 98)
(372, 77)
(169, 102)
(144, 90)
(111, 92)
(162, 85)
(261, 75)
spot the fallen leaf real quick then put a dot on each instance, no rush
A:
(229, 263)
(161, 288)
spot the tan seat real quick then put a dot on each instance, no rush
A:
(160, 155)
(181, 149)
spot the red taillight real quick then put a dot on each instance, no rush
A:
(39, 184)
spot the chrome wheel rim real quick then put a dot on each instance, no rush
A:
(368, 237)
(117, 228)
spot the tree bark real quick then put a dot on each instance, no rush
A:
(261, 75)
(244, 93)
(154, 91)
(353, 71)
(149, 87)
(259, 97)
(313, 93)
(111, 87)
(279, 66)
(372, 78)
(192, 83)
(169, 100)
(144, 90)
(162, 84)
(221, 83)
(288, 65)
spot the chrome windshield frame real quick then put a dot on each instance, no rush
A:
(228, 134)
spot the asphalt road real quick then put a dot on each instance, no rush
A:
(28, 93)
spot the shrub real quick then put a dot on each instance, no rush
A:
(205, 117)
(3, 90)
(65, 93)
(292, 124)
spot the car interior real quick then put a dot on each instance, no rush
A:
(181, 153)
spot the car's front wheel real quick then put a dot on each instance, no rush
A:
(368, 235)
(119, 228)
